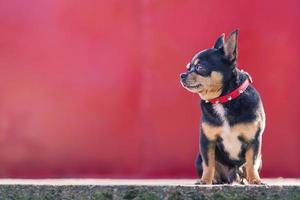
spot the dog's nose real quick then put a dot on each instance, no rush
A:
(183, 75)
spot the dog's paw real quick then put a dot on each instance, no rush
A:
(243, 181)
(255, 181)
(204, 182)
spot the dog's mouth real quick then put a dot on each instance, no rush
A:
(197, 86)
(194, 86)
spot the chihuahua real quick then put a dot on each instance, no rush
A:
(233, 117)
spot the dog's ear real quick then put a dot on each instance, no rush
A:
(219, 42)
(230, 46)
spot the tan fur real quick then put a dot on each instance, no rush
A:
(261, 116)
(211, 86)
(209, 170)
(210, 131)
(196, 61)
(252, 175)
(245, 130)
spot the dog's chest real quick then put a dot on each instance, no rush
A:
(230, 140)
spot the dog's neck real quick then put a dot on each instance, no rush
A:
(236, 79)
(212, 93)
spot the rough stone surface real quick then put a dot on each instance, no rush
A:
(13, 189)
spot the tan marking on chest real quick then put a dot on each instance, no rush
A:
(211, 132)
(230, 134)
(246, 130)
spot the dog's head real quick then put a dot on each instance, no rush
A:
(210, 69)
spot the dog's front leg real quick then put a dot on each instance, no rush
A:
(208, 160)
(252, 174)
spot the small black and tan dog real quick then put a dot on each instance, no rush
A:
(233, 117)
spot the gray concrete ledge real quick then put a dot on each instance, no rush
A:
(106, 189)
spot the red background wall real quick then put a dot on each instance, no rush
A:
(91, 88)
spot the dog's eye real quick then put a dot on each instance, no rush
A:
(202, 70)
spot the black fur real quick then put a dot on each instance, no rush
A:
(247, 107)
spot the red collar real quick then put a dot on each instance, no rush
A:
(232, 95)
